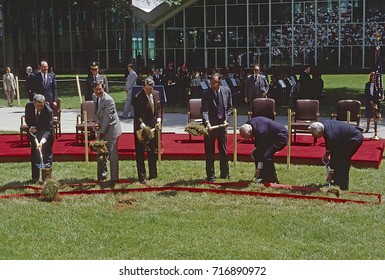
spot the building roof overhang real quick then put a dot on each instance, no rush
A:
(160, 13)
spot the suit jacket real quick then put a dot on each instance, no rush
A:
(306, 86)
(210, 108)
(107, 117)
(159, 81)
(143, 112)
(44, 125)
(256, 86)
(267, 132)
(9, 82)
(339, 136)
(49, 90)
(90, 79)
(130, 81)
(29, 86)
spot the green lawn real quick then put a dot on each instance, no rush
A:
(181, 225)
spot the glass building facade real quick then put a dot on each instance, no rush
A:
(205, 34)
(217, 33)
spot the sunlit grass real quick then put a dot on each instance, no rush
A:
(182, 225)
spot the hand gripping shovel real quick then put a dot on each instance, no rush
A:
(40, 165)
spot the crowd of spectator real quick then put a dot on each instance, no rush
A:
(182, 83)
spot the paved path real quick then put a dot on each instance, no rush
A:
(10, 121)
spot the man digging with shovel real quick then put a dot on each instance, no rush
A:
(39, 118)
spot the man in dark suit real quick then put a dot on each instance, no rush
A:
(170, 83)
(94, 76)
(39, 118)
(342, 141)
(29, 82)
(256, 86)
(158, 77)
(306, 83)
(147, 113)
(45, 84)
(216, 110)
(269, 138)
(109, 128)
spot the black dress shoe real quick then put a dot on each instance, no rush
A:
(152, 177)
(143, 181)
(225, 176)
(210, 180)
(34, 181)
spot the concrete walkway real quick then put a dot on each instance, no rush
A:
(10, 121)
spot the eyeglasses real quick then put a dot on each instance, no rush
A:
(94, 69)
(256, 70)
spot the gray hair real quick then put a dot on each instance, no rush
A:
(316, 128)
(39, 98)
(246, 131)
(28, 69)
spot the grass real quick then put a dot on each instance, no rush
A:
(337, 87)
(181, 225)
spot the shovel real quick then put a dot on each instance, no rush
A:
(40, 165)
(327, 170)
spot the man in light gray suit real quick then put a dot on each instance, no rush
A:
(9, 85)
(109, 128)
(128, 111)
(256, 86)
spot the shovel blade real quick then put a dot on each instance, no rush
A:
(42, 165)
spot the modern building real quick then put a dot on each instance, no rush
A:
(204, 33)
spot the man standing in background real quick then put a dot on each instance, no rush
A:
(29, 82)
(128, 111)
(9, 84)
(256, 86)
(94, 76)
(45, 84)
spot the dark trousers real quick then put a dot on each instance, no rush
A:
(171, 93)
(47, 152)
(268, 173)
(342, 163)
(219, 134)
(151, 157)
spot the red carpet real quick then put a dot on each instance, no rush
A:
(178, 146)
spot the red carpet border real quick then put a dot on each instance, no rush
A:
(220, 190)
(180, 147)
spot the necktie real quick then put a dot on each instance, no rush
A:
(151, 102)
(45, 80)
(219, 105)
(37, 116)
